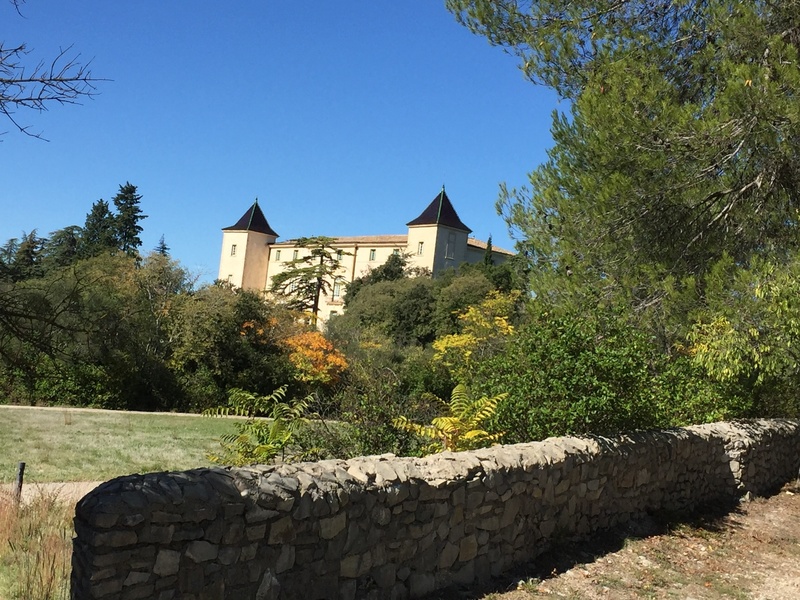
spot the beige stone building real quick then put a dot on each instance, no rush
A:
(436, 240)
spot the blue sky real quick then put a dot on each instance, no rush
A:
(343, 118)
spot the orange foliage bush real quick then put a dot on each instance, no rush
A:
(315, 358)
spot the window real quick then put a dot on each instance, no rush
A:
(419, 248)
(396, 252)
(277, 255)
(295, 253)
(230, 278)
(450, 249)
(233, 249)
(372, 254)
(337, 289)
(339, 255)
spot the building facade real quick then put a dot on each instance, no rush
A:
(436, 240)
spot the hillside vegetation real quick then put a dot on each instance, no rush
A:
(97, 324)
(656, 282)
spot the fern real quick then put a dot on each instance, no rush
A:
(258, 439)
(462, 428)
(242, 403)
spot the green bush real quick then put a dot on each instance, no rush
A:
(384, 382)
(688, 396)
(572, 374)
(258, 439)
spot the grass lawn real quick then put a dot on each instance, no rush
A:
(65, 444)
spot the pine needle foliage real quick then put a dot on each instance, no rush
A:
(270, 425)
(461, 429)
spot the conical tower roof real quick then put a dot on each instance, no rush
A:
(440, 212)
(253, 220)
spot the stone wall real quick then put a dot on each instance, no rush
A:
(387, 527)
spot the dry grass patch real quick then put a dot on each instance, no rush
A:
(35, 547)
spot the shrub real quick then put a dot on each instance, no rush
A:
(315, 359)
(384, 382)
(571, 374)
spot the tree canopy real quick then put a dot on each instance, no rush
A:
(99, 230)
(669, 201)
(680, 140)
(310, 275)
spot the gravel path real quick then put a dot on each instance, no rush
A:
(70, 491)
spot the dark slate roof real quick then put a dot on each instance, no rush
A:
(440, 212)
(253, 220)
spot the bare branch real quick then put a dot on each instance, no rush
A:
(64, 80)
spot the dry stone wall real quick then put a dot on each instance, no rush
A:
(388, 527)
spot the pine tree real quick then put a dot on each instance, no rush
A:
(488, 259)
(7, 253)
(62, 247)
(28, 257)
(679, 143)
(127, 219)
(99, 231)
(21, 258)
(162, 247)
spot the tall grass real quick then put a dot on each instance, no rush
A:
(35, 547)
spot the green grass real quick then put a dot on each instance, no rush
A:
(92, 445)
(60, 445)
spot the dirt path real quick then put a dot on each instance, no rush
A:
(96, 410)
(752, 553)
(68, 492)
